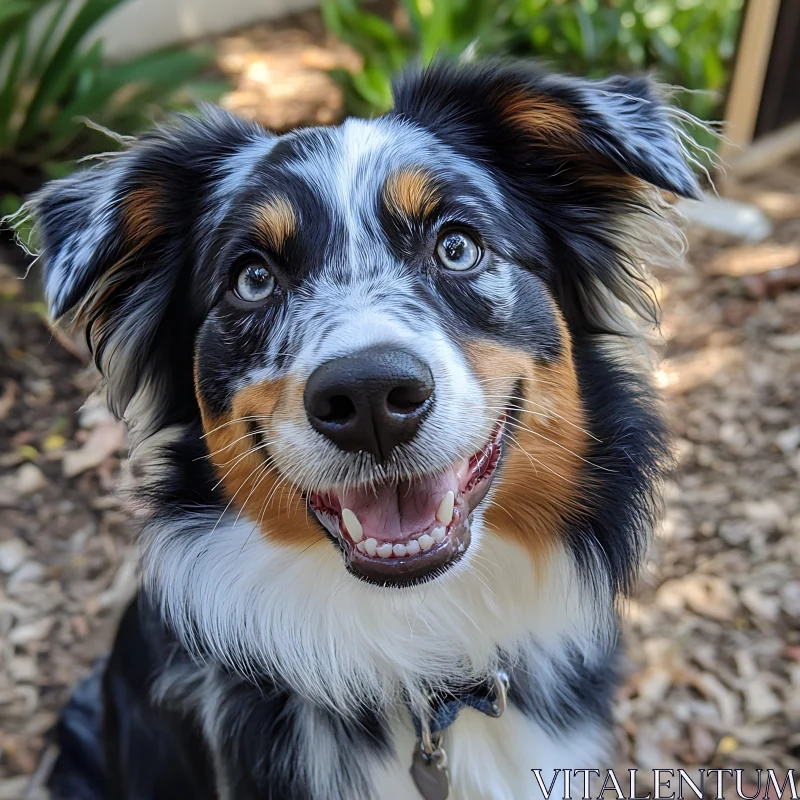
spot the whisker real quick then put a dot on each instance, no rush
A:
(480, 575)
(549, 469)
(475, 624)
(419, 608)
(281, 482)
(238, 460)
(238, 419)
(528, 455)
(517, 378)
(547, 412)
(235, 441)
(263, 511)
(524, 427)
(265, 467)
(225, 510)
(495, 503)
(265, 505)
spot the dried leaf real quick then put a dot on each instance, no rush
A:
(105, 440)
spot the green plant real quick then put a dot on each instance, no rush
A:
(53, 76)
(426, 28)
(689, 43)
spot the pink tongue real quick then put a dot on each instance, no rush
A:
(393, 513)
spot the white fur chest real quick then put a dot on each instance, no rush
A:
(333, 639)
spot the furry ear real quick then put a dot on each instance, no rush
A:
(582, 158)
(119, 242)
(507, 109)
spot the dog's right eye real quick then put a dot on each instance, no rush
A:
(254, 283)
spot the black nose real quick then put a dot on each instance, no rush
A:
(373, 400)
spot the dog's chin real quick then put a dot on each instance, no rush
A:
(412, 531)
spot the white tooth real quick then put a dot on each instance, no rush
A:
(361, 547)
(425, 541)
(385, 550)
(413, 547)
(438, 534)
(352, 525)
(371, 546)
(445, 511)
(400, 550)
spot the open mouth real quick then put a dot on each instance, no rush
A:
(410, 531)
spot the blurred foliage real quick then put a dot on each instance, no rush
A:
(53, 76)
(688, 43)
(427, 28)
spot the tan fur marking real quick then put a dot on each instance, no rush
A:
(275, 221)
(141, 227)
(541, 117)
(139, 215)
(600, 173)
(410, 193)
(539, 485)
(556, 126)
(255, 487)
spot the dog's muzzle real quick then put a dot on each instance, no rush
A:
(396, 533)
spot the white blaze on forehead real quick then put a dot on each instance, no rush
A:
(349, 169)
(365, 148)
(349, 165)
(237, 169)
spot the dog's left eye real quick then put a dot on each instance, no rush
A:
(254, 283)
(457, 251)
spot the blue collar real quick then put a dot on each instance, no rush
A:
(489, 698)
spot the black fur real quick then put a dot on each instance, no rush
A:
(141, 333)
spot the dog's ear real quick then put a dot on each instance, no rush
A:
(119, 242)
(583, 158)
(502, 111)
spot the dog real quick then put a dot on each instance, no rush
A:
(394, 451)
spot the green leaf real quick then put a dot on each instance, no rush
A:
(128, 89)
(374, 85)
(69, 81)
(10, 88)
(57, 169)
(588, 38)
(9, 204)
(54, 73)
(55, 20)
(61, 66)
(16, 12)
(713, 70)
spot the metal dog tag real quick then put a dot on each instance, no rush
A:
(429, 773)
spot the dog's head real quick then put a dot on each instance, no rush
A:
(375, 322)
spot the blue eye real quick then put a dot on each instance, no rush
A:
(457, 251)
(255, 283)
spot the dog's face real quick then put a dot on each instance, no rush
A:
(377, 342)
(375, 321)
